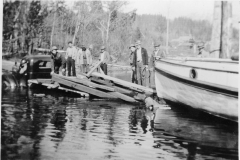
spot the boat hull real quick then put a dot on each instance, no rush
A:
(215, 99)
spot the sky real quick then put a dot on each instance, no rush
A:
(194, 9)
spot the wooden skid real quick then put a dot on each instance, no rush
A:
(123, 97)
(107, 83)
(86, 82)
(88, 86)
(47, 83)
(129, 85)
(123, 90)
(83, 88)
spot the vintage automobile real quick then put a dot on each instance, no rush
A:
(31, 67)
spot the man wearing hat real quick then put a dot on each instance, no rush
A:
(133, 52)
(104, 58)
(57, 61)
(140, 60)
(70, 56)
(89, 57)
(84, 59)
(156, 52)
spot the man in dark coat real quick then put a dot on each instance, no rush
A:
(57, 61)
(133, 52)
(104, 58)
(140, 60)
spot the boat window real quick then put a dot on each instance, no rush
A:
(193, 74)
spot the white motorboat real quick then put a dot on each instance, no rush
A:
(207, 84)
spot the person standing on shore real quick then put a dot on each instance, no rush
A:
(141, 63)
(89, 57)
(71, 57)
(132, 62)
(84, 59)
(57, 61)
(104, 58)
(157, 52)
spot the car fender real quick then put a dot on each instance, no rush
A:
(9, 80)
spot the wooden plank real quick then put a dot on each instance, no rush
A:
(122, 89)
(53, 86)
(70, 90)
(92, 70)
(109, 83)
(86, 82)
(124, 83)
(117, 89)
(123, 97)
(82, 88)
(104, 82)
(136, 95)
(34, 81)
(70, 82)
(44, 80)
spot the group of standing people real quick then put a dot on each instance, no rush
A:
(80, 57)
(141, 64)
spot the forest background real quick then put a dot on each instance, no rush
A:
(41, 24)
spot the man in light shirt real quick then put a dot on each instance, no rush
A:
(140, 60)
(71, 57)
(104, 58)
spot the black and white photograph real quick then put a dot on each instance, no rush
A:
(119, 79)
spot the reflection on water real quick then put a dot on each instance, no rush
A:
(57, 127)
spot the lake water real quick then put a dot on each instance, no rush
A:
(61, 126)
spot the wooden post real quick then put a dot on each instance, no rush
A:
(216, 30)
(226, 30)
(222, 30)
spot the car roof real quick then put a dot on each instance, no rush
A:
(37, 57)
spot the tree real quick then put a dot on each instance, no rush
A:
(35, 21)
(56, 8)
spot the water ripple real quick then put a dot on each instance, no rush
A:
(70, 128)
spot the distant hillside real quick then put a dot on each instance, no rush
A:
(151, 28)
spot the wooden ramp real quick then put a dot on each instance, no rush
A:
(84, 84)
(99, 85)
(103, 86)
